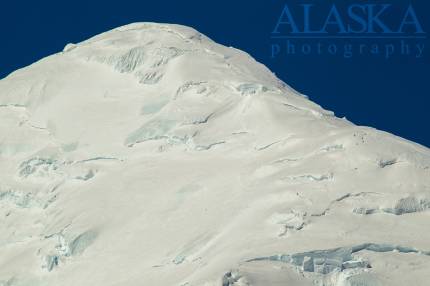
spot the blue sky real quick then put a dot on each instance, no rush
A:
(389, 94)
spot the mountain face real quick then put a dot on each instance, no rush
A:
(150, 155)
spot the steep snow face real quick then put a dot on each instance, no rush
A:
(150, 155)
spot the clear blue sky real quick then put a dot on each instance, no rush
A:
(392, 95)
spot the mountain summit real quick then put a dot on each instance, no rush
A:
(151, 155)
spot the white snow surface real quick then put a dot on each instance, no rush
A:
(151, 155)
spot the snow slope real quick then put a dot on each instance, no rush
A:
(150, 155)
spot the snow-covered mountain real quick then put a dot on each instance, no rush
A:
(150, 155)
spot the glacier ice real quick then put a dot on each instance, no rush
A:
(152, 155)
(337, 259)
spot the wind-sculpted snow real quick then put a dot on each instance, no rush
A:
(151, 155)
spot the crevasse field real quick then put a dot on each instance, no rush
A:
(150, 155)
